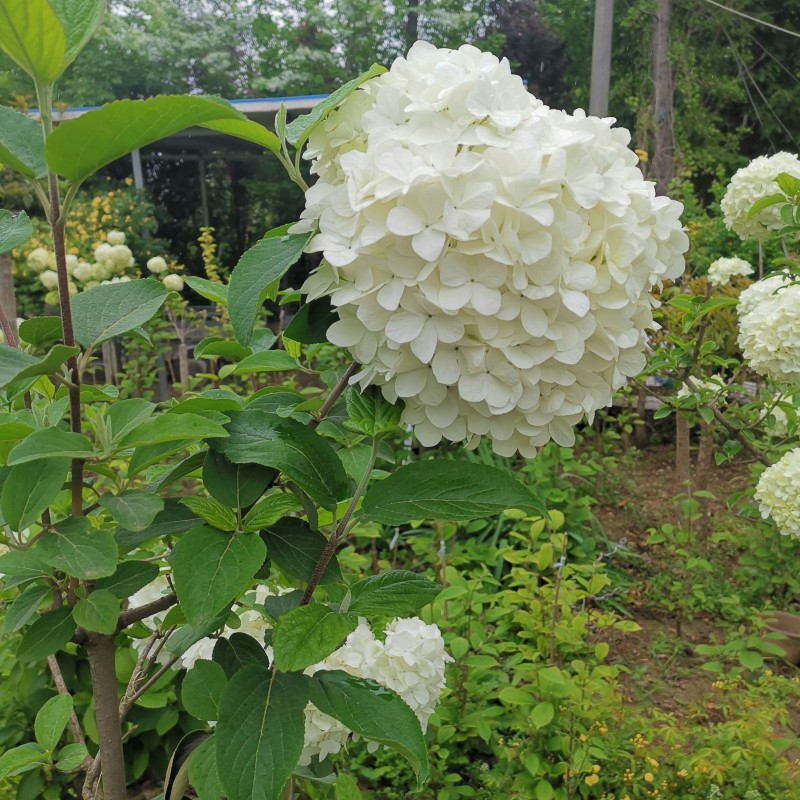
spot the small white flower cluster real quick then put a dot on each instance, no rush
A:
(712, 385)
(750, 184)
(158, 266)
(490, 259)
(722, 270)
(769, 328)
(778, 493)
(410, 661)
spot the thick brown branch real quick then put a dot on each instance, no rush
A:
(132, 615)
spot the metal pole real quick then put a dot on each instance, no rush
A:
(601, 57)
(138, 174)
(201, 168)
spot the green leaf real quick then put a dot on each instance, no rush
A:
(238, 651)
(211, 569)
(267, 361)
(259, 736)
(183, 468)
(301, 454)
(128, 578)
(71, 756)
(16, 365)
(306, 635)
(217, 346)
(212, 512)
(513, 696)
(115, 308)
(32, 36)
(211, 290)
(41, 331)
(134, 509)
(300, 129)
(19, 759)
(23, 564)
(49, 633)
(126, 415)
(51, 443)
(25, 606)
(21, 143)
(174, 519)
(203, 771)
(372, 711)
(750, 659)
(275, 606)
(395, 593)
(202, 688)
(542, 714)
(296, 549)
(79, 147)
(234, 485)
(79, 550)
(765, 202)
(80, 19)
(173, 428)
(15, 229)
(310, 324)
(442, 489)
(371, 414)
(29, 489)
(186, 636)
(256, 271)
(269, 510)
(51, 720)
(248, 130)
(98, 611)
(346, 787)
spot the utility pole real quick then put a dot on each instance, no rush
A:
(601, 57)
(412, 23)
(662, 78)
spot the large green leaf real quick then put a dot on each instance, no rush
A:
(79, 147)
(31, 34)
(248, 130)
(51, 719)
(134, 509)
(79, 550)
(266, 361)
(21, 759)
(115, 308)
(310, 324)
(211, 290)
(174, 519)
(126, 415)
(98, 611)
(203, 771)
(173, 428)
(296, 549)
(26, 604)
(259, 736)
(29, 489)
(213, 512)
(49, 633)
(238, 651)
(300, 129)
(254, 274)
(269, 510)
(306, 635)
(234, 485)
(397, 593)
(202, 688)
(128, 578)
(370, 413)
(372, 711)
(301, 454)
(23, 564)
(21, 143)
(51, 443)
(443, 489)
(80, 19)
(15, 229)
(15, 365)
(41, 331)
(211, 569)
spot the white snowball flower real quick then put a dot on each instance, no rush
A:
(722, 270)
(769, 335)
(173, 282)
(121, 256)
(759, 291)
(103, 252)
(73, 263)
(49, 279)
(749, 184)
(157, 265)
(778, 493)
(83, 272)
(779, 426)
(38, 259)
(490, 259)
(115, 238)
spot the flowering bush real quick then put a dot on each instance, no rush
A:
(489, 258)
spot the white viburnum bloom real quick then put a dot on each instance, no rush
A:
(73, 262)
(765, 289)
(490, 259)
(173, 282)
(115, 238)
(84, 272)
(778, 427)
(769, 335)
(778, 493)
(750, 184)
(157, 265)
(49, 279)
(722, 270)
(103, 252)
(121, 256)
(38, 259)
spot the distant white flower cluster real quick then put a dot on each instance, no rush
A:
(705, 386)
(490, 258)
(750, 184)
(777, 493)
(769, 328)
(723, 269)
(411, 661)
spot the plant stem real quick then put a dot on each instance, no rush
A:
(341, 528)
(132, 615)
(74, 725)
(8, 328)
(335, 394)
(100, 649)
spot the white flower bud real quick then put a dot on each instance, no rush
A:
(173, 282)
(115, 237)
(49, 279)
(157, 265)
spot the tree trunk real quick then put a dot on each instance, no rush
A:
(7, 294)
(683, 464)
(702, 473)
(662, 78)
(601, 57)
(412, 23)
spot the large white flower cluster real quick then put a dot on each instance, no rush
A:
(490, 258)
(722, 270)
(778, 493)
(750, 184)
(769, 330)
(760, 291)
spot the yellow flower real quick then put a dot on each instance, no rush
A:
(591, 780)
(652, 762)
(648, 776)
(595, 768)
(643, 156)
(683, 773)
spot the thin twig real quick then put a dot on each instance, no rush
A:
(74, 725)
(8, 328)
(126, 705)
(335, 394)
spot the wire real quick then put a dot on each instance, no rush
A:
(776, 60)
(752, 19)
